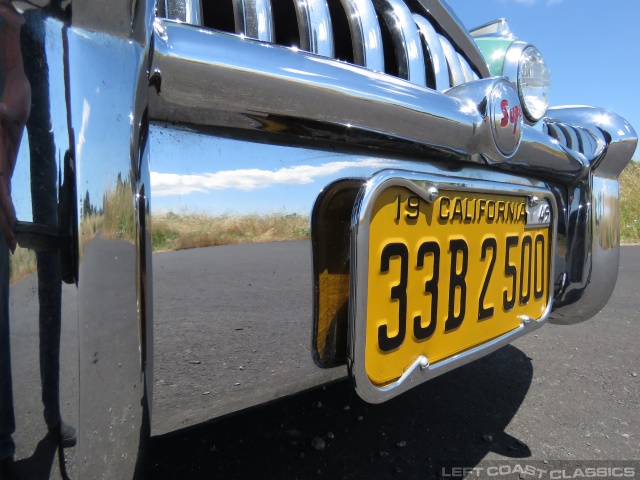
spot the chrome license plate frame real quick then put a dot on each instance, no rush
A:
(541, 210)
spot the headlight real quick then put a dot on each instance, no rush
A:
(533, 84)
(527, 72)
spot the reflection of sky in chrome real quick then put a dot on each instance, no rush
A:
(221, 175)
(165, 184)
(21, 180)
(101, 113)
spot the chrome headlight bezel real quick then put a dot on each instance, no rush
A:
(513, 69)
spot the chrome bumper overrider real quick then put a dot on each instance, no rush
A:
(172, 120)
(592, 211)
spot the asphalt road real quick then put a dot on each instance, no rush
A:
(562, 394)
(554, 399)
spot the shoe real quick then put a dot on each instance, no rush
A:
(6, 468)
(65, 434)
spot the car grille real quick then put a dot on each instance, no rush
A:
(391, 36)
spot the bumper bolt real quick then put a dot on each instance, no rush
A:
(432, 194)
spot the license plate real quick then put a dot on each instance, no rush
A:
(448, 270)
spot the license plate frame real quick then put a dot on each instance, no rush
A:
(541, 213)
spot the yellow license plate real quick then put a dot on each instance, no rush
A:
(447, 276)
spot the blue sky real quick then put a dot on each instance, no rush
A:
(591, 46)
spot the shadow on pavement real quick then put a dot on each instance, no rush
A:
(39, 466)
(452, 421)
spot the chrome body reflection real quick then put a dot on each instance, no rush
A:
(115, 320)
(41, 315)
(82, 208)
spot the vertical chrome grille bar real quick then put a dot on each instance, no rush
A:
(254, 19)
(406, 40)
(579, 135)
(434, 53)
(365, 34)
(186, 11)
(570, 135)
(554, 132)
(162, 8)
(466, 69)
(314, 25)
(455, 70)
(589, 145)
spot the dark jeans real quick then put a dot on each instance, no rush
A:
(7, 420)
(49, 296)
(44, 188)
(44, 171)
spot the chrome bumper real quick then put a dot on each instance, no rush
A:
(262, 89)
(279, 112)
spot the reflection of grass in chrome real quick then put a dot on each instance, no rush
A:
(90, 224)
(21, 264)
(190, 230)
(119, 221)
(630, 203)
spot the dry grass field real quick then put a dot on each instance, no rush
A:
(192, 230)
(630, 203)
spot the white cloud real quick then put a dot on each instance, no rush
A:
(164, 184)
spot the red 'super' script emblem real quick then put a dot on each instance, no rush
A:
(507, 117)
(511, 116)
